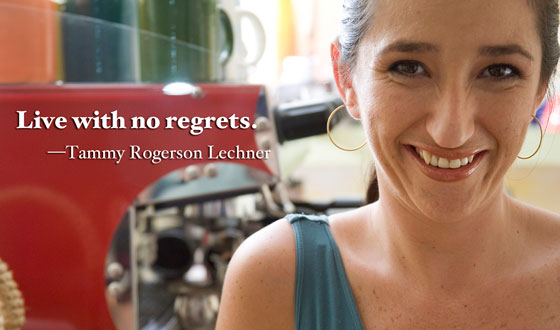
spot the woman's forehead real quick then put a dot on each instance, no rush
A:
(456, 21)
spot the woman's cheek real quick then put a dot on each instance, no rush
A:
(505, 117)
(396, 108)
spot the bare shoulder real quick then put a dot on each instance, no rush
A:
(543, 225)
(540, 264)
(548, 232)
(349, 227)
(259, 286)
(542, 245)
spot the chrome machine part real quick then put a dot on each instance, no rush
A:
(197, 311)
(182, 231)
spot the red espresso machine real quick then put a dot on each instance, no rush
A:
(138, 244)
(129, 223)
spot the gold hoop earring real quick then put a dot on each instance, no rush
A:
(540, 141)
(329, 132)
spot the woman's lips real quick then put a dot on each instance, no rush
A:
(454, 168)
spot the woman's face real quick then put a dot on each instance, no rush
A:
(441, 84)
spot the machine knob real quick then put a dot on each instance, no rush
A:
(191, 173)
(211, 170)
(115, 289)
(115, 271)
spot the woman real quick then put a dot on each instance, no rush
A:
(444, 247)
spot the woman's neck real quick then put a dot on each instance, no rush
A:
(448, 255)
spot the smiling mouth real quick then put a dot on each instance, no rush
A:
(442, 162)
(458, 165)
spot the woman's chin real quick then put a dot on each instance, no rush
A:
(446, 207)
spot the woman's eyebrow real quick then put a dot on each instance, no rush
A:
(402, 46)
(408, 47)
(501, 50)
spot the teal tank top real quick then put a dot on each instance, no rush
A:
(323, 298)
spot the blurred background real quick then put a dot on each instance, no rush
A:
(138, 246)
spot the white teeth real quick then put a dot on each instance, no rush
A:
(427, 156)
(441, 162)
(455, 163)
(434, 160)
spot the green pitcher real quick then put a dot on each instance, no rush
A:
(183, 40)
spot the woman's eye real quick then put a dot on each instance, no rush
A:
(408, 68)
(500, 72)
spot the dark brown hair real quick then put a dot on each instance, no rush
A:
(357, 16)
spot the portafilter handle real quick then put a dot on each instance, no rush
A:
(303, 119)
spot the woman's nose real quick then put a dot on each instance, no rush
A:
(451, 119)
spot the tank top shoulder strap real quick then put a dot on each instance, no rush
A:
(323, 298)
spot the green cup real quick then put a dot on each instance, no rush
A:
(99, 40)
(183, 40)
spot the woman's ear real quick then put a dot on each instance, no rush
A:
(343, 82)
(541, 94)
